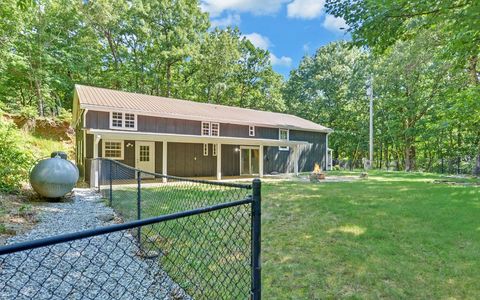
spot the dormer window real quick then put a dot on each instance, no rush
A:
(283, 135)
(120, 120)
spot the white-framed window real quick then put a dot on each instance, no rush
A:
(120, 120)
(283, 135)
(209, 128)
(205, 149)
(112, 149)
(129, 120)
(117, 119)
(205, 128)
(251, 130)
(214, 149)
(215, 129)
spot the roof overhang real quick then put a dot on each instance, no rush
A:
(184, 138)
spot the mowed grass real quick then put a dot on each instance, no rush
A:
(394, 235)
(207, 254)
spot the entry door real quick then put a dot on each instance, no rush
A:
(249, 160)
(145, 156)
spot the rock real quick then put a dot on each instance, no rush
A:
(106, 217)
(364, 175)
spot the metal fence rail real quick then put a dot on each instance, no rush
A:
(184, 239)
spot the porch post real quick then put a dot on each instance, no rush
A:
(219, 161)
(95, 166)
(296, 156)
(260, 161)
(164, 160)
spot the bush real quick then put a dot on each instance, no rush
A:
(15, 157)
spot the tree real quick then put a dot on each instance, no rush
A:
(329, 88)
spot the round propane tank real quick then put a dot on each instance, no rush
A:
(54, 177)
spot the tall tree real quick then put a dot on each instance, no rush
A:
(329, 88)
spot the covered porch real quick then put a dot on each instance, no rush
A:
(168, 154)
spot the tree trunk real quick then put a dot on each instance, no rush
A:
(409, 157)
(38, 93)
(169, 79)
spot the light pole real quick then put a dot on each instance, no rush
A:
(370, 96)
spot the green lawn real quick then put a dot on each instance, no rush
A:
(395, 235)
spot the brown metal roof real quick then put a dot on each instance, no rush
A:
(100, 98)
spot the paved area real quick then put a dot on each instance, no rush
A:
(102, 267)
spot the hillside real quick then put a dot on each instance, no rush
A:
(22, 142)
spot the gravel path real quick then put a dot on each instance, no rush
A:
(102, 267)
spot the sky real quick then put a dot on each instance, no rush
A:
(289, 29)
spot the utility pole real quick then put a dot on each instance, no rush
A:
(370, 96)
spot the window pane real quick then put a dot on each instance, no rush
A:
(116, 119)
(129, 120)
(113, 149)
(205, 149)
(144, 153)
(215, 129)
(205, 128)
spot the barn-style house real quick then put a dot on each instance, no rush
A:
(191, 139)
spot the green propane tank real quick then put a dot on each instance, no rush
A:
(54, 177)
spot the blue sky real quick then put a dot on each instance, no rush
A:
(289, 29)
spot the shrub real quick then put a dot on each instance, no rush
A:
(15, 157)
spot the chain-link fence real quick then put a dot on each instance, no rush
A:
(184, 239)
(450, 165)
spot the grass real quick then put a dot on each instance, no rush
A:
(44, 146)
(207, 254)
(394, 235)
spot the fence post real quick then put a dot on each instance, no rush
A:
(256, 288)
(99, 174)
(139, 200)
(111, 189)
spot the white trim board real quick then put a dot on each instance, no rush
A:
(151, 136)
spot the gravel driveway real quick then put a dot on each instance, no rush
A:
(102, 267)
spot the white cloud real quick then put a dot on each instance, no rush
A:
(258, 40)
(258, 7)
(284, 61)
(261, 41)
(305, 9)
(335, 24)
(229, 20)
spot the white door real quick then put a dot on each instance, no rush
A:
(145, 156)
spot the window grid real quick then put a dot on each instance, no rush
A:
(215, 129)
(113, 149)
(214, 149)
(123, 120)
(251, 130)
(129, 120)
(283, 135)
(117, 119)
(144, 153)
(205, 128)
(205, 149)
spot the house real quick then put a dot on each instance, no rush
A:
(191, 139)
